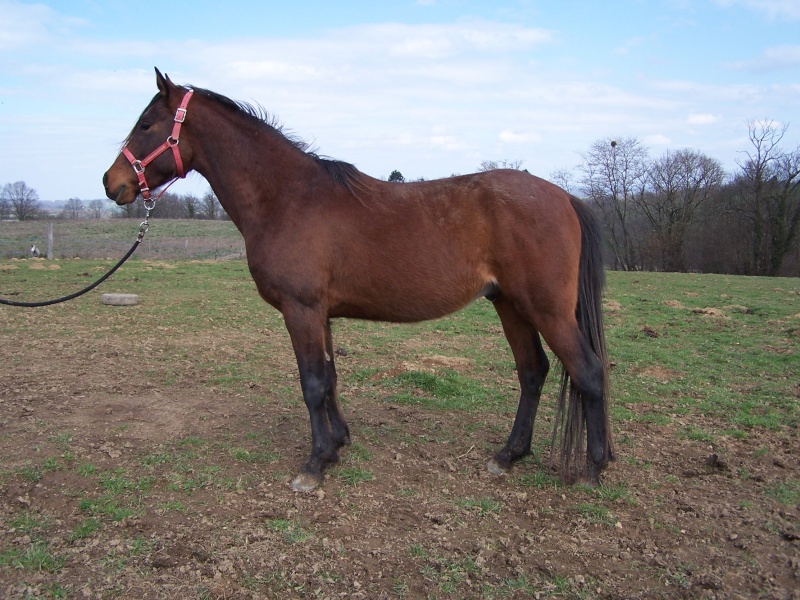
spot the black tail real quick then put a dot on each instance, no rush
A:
(570, 419)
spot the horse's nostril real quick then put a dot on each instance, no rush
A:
(105, 180)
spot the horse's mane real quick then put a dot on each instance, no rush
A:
(342, 173)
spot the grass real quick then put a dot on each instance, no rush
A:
(37, 558)
(168, 239)
(352, 476)
(786, 493)
(482, 506)
(700, 379)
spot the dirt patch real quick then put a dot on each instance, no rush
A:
(659, 374)
(127, 488)
(714, 313)
(674, 304)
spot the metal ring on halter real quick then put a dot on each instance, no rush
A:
(149, 205)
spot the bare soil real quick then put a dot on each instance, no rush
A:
(205, 475)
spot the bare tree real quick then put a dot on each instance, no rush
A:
(191, 205)
(73, 209)
(23, 201)
(210, 207)
(563, 178)
(97, 209)
(770, 181)
(615, 180)
(491, 165)
(681, 182)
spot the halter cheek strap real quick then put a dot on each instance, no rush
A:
(171, 142)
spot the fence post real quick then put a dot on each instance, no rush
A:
(49, 241)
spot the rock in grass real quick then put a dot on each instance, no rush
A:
(120, 299)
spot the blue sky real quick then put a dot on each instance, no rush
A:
(428, 87)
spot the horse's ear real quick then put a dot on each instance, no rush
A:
(163, 82)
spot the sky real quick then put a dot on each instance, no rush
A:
(427, 87)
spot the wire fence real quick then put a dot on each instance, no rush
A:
(204, 241)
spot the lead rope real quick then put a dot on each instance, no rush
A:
(143, 227)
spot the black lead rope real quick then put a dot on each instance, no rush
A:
(142, 230)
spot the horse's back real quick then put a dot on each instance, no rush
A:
(422, 250)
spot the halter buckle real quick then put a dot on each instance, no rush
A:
(138, 166)
(180, 115)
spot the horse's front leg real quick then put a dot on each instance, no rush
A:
(307, 328)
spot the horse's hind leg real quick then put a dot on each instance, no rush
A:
(532, 368)
(587, 375)
(339, 430)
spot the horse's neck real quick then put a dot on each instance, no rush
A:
(247, 165)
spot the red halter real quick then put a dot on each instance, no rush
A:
(172, 142)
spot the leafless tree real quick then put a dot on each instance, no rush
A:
(23, 201)
(73, 209)
(680, 183)
(491, 165)
(770, 199)
(191, 205)
(614, 180)
(563, 178)
(96, 209)
(209, 206)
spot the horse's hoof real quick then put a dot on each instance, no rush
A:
(306, 482)
(495, 468)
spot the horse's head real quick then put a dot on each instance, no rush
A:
(151, 155)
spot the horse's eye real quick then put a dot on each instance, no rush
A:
(144, 126)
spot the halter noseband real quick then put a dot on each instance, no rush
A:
(171, 142)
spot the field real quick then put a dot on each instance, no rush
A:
(146, 451)
(170, 239)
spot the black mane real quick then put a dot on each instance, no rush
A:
(343, 173)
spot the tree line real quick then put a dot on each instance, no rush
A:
(20, 202)
(679, 211)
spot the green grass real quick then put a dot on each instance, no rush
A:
(167, 239)
(85, 529)
(482, 506)
(786, 493)
(37, 558)
(700, 379)
(352, 476)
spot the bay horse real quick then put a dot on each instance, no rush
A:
(324, 240)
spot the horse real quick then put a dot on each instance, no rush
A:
(324, 241)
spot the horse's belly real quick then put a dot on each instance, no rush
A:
(416, 300)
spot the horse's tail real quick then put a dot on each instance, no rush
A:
(570, 419)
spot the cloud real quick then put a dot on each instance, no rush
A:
(657, 139)
(519, 137)
(25, 25)
(772, 59)
(629, 45)
(772, 9)
(702, 119)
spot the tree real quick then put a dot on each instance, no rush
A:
(191, 205)
(97, 209)
(680, 182)
(491, 165)
(209, 206)
(73, 209)
(23, 201)
(396, 176)
(614, 180)
(770, 198)
(562, 178)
